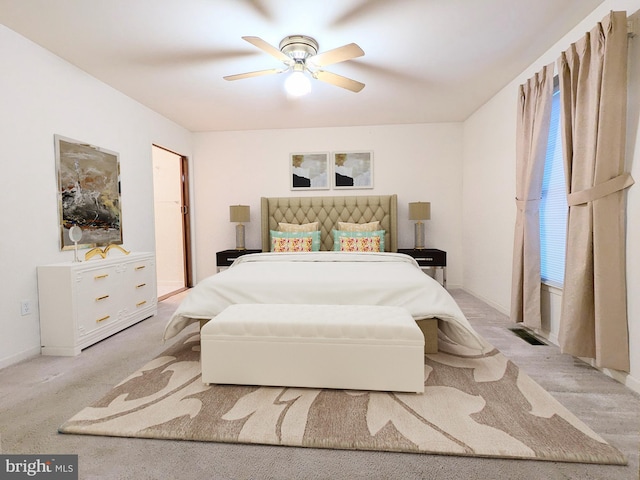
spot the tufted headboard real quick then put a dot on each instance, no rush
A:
(328, 211)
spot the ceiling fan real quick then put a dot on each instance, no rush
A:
(300, 54)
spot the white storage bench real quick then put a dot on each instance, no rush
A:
(357, 347)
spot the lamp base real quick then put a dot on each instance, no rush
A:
(419, 236)
(240, 237)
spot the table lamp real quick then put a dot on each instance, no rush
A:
(419, 211)
(239, 214)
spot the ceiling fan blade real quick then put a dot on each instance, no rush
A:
(266, 47)
(340, 54)
(338, 80)
(258, 73)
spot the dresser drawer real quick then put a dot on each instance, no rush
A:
(140, 285)
(141, 295)
(97, 298)
(96, 282)
(96, 313)
(142, 269)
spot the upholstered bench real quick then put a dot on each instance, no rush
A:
(357, 347)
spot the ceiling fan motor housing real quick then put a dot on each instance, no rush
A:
(299, 47)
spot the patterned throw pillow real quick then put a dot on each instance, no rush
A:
(301, 244)
(338, 234)
(359, 244)
(359, 227)
(294, 227)
(314, 236)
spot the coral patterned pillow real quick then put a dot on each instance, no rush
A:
(359, 244)
(379, 234)
(314, 236)
(300, 244)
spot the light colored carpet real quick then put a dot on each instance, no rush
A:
(481, 406)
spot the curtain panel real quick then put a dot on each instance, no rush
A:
(534, 116)
(593, 89)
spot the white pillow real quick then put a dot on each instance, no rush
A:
(294, 227)
(359, 227)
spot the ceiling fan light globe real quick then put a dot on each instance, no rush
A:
(297, 84)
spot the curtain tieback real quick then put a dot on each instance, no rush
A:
(603, 189)
(531, 205)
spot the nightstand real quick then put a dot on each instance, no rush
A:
(225, 258)
(429, 258)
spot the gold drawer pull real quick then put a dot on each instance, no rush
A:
(141, 267)
(141, 285)
(98, 277)
(103, 319)
(139, 304)
(102, 298)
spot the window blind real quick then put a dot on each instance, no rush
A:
(553, 204)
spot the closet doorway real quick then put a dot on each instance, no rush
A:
(172, 227)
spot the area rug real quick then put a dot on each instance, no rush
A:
(472, 406)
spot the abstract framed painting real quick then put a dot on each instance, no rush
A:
(309, 171)
(352, 170)
(88, 193)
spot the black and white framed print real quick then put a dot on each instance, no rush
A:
(352, 170)
(309, 171)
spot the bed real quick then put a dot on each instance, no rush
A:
(327, 277)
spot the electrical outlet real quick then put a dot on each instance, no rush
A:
(25, 307)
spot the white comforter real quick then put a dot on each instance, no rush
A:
(327, 278)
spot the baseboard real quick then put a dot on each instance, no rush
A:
(30, 353)
(622, 377)
(548, 336)
(633, 383)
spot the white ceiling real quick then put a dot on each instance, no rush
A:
(425, 60)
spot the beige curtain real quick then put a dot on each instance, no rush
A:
(593, 86)
(534, 114)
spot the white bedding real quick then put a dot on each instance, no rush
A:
(326, 278)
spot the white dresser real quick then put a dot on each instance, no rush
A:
(82, 303)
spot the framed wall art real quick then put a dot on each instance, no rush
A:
(352, 170)
(88, 193)
(309, 171)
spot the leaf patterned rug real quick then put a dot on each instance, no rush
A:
(472, 405)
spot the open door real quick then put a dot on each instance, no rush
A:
(172, 225)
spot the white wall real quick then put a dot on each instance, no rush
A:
(418, 162)
(43, 95)
(489, 188)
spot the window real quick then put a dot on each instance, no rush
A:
(553, 205)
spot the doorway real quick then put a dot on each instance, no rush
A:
(172, 226)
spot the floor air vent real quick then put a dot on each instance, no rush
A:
(527, 336)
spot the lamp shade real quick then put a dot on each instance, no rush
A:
(239, 213)
(419, 211)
